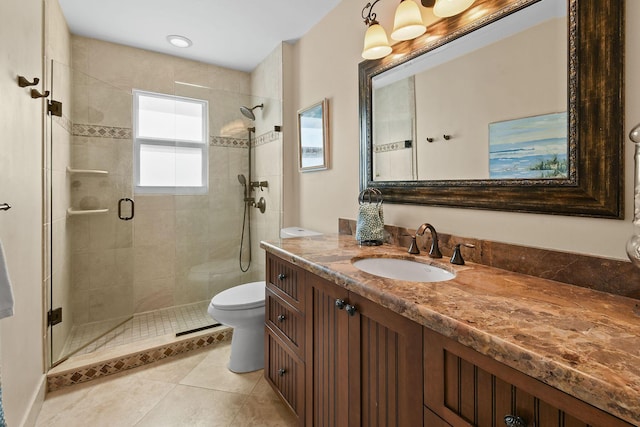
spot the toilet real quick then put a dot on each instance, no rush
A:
(242, 308)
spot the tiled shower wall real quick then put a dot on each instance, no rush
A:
(267, 155)
(178, 249)
(394, 109)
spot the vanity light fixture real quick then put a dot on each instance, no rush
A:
(408, 23)
(446, 8)
(179, 41)
(376, 43)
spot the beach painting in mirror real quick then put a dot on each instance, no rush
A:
(529, 148)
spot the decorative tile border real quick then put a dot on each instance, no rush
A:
(114, 132)
(98, 131)
(224, 141)
(266, 138)
(392, 146)
(97, 370)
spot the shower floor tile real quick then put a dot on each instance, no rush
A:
(141, 327)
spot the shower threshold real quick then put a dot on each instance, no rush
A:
(176, 320)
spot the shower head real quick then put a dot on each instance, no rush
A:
(248, 112)
(242, 179)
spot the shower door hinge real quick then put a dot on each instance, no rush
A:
(54, 108)
(55, 316)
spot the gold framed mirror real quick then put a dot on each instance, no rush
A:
(593, 183)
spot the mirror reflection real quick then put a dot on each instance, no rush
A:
(489, 105)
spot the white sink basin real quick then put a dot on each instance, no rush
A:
(403, 269)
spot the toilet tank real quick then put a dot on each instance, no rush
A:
(289, 232)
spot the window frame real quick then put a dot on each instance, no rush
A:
(138, 141)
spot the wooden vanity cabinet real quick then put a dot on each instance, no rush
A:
(465, 388)
(339, 359)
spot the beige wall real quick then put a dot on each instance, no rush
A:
(325, 196)
(21, 127)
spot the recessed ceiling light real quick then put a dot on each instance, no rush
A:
(179, 41)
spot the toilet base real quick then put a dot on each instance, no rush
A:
(247, 350)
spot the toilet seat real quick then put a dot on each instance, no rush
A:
(242, 297)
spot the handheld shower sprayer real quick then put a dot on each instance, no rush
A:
(243, 181)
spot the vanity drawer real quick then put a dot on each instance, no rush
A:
(285, 372)
(286, 280)
(285, 321)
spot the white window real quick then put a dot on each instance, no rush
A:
(170, 144)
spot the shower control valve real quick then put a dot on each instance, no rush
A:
(260, 184)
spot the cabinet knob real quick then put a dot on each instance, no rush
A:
(351, 309)
(282, 371)
(282, 318)
(282, 276)
(514, 421)
(340, 303)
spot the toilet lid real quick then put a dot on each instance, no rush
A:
(249, 295)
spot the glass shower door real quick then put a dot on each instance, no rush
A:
(90, 204)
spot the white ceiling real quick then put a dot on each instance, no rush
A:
(236, 34)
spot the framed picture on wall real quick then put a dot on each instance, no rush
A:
(313, 137)
(529, 148)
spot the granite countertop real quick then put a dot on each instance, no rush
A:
(583, 342)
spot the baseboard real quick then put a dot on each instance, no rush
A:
(36, 404)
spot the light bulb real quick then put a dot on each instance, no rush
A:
(376, 43)
(408, 23)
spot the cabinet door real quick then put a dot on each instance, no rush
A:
(466, 388)
(327, 354)
(385, 367)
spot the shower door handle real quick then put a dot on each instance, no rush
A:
(120, 202)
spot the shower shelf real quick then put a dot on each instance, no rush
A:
(87, 171)
(77, 212)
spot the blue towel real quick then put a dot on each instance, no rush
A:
(6, 293)
(3, 423)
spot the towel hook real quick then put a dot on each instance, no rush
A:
(5, 206)
(35, 94)
(23, 82)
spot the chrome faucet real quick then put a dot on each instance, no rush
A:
(434, 252)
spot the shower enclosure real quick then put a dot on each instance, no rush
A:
(118, 259)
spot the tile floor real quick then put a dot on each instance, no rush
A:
(193, 389)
